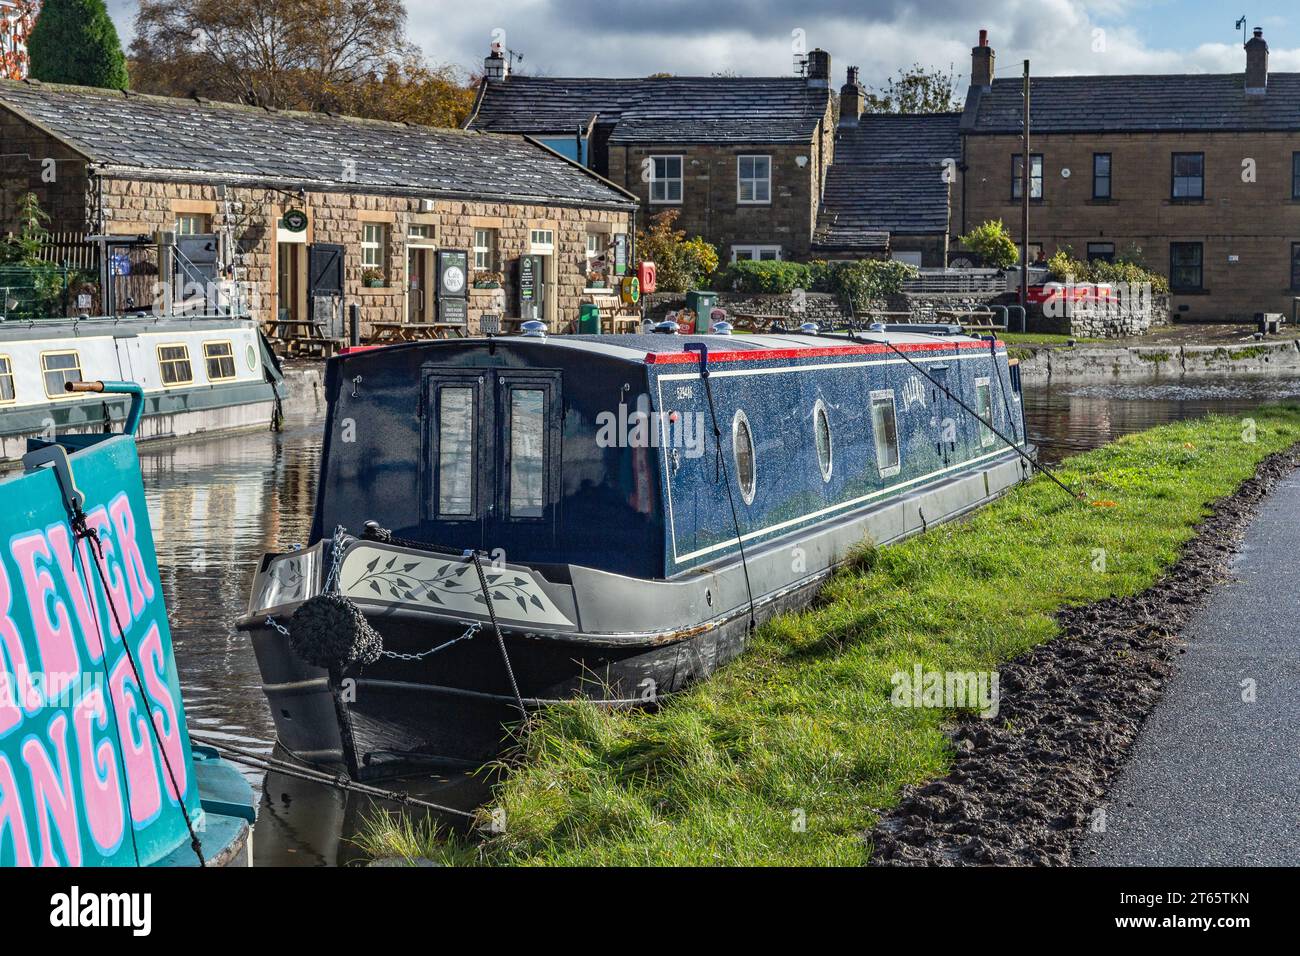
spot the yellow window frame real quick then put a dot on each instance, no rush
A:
(45, 382)
(162, 363)
(207, 359)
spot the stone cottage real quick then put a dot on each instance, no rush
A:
(307, 191)
(743, 160)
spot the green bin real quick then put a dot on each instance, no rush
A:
(702, 304)
(589, 318)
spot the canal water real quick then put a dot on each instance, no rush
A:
(217, 504)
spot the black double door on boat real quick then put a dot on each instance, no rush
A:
(491, 459)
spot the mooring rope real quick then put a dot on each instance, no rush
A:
(338, 781)
(721, 459)
(1077, 496)
(82, 531)
(376, 533)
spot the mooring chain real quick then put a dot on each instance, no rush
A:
(470, 632)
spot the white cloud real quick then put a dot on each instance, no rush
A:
(752, 37)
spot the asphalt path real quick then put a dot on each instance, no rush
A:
(1214, 777)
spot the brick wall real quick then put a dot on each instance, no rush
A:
(1255, 222)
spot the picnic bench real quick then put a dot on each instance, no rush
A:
(389, 332)
(300, 337)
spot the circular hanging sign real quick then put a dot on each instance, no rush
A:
(295, 220)
(453, 278)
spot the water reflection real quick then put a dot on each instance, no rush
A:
(1063, 420)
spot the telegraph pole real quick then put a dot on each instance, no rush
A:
(1026, 164)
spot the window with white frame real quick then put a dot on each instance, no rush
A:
(485, 250)
(755, 253)
(753, 179)
(191, 224)
(374, 242)
(541, 242)
(665, 179)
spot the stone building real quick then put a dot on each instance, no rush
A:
(381, 199)
(889, 187)
(743, 160)
(1198, 175)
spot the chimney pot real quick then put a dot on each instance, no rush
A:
(495, 65)
(982, 60)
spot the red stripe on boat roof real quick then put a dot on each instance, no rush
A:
(768, 355)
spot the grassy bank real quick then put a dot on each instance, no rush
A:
(786, 755)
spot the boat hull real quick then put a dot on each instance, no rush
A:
(586, 637)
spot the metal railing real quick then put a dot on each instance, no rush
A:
(957, 280)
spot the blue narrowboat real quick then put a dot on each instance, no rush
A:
(96, 763)
(511, 521)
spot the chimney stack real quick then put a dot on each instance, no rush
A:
(496, 66)
(1257, 64)
(852, 99)
(981, 63)
(819, 69)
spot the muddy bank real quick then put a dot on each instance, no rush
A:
(1026, 784)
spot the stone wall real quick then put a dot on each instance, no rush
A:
(1246, 225)
(131, 206)
(33, 161)
(709, 206)
(1091, 321)
(1155, 363)
(824, 309)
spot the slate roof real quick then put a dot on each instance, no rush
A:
(887, 179)
(674, 109)
(860, 202)
(1197, 102)
(242, 143)
(889, 138)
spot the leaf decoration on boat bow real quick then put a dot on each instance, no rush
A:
(374, 574)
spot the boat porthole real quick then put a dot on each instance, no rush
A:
(822, 437)
(708, 598)
(742, 447)
(251, 357)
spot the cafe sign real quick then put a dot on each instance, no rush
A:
(294, 220)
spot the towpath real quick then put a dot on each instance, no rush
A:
(1214, 777)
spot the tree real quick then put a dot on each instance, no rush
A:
(15, 27)
(680, 263)
(410, 92)
(993, 244)
(916, 90)
(338, 55)
(74, 41)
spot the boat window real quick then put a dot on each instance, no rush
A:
(7, 393)
(884, 424)
(822, 435)
(174, 364)
(456, 451)
(220, 358)
(527, 454)
(984, 406)
(742, 445)
(59, 368)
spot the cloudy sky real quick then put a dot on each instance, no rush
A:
(754, 37)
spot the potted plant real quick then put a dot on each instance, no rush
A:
(487, 280)
(595, 280)
(372, 278)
